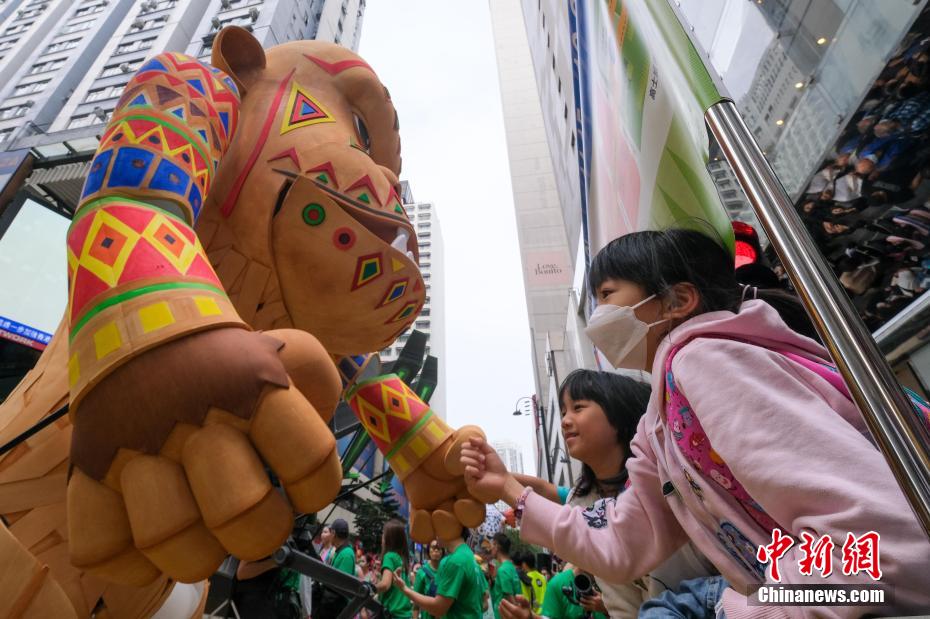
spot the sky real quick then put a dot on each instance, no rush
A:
(437, 59)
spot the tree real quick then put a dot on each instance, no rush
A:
(369, 522)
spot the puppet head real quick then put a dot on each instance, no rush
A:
(309, 189)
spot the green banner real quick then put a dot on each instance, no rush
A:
(644, 90)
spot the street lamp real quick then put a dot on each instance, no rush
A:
(517, 411)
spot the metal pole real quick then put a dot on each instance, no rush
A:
(360, 593)
(886, 409)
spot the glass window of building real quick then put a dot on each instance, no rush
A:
(5, 134)
(135, 46)
(88, 10)
(60, 46)
(79, 27)
(100, 94)
(43, 67)
(25, 89)
(147, 24)
(121, 68)
(14, 111)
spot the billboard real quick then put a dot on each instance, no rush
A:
(643, 92)
(33, 273)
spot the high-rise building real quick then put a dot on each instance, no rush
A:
(511, 454)
(535, 68)
(63, 64)
(431, 320)
(541, 229)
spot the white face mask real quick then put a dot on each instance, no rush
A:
(620, 335)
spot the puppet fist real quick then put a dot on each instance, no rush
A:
(170, 453)
(424, 452)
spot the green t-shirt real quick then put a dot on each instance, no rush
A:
(556, 604)
(344, 560)
(392, 599)
(424, 581)
(507, 582)
(460, 579)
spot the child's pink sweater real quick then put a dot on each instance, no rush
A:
(794, 442)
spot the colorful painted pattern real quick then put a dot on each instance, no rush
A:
(172, 125)
(403, 426)
(137, 273)
(303, 110)
(121, 247)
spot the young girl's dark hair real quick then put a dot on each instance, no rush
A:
(657, 260)
(623, 401)
(395, 540)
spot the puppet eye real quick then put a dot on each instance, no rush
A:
(362, 131)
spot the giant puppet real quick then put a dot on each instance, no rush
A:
(239, 246)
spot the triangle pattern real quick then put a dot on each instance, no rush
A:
(165, 94)
(302, 110)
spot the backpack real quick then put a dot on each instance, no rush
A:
(431, 576)
(694, 444)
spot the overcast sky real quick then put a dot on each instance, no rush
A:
(437, 59)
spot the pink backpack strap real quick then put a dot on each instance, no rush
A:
(694, 444)
(829, 373)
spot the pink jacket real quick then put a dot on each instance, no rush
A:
(795, 443)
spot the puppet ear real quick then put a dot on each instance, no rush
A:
(239, 54)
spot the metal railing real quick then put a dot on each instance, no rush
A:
(887, 410)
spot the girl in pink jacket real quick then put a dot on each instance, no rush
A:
(745, 433)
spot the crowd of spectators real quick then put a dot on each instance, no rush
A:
(868, 207)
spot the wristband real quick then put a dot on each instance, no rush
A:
(521, 503)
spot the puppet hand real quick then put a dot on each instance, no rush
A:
(440, 502)
(169, 453)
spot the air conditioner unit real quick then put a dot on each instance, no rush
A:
(29, 103)
(138, 23)
(225, 4)
(253, 13)
(100, 113)
(125, 68)
(216, 22)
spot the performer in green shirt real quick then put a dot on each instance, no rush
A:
(506, 582)
(394, 572)
(458, 585)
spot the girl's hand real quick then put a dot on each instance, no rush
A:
(485, 473)
(518, 609)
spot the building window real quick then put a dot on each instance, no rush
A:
(147, 24)
(425, 265)
(72, 28)
(424, 311)
(27, 13)
(61, 46)
(151, 7)
(240, 20)
(118, 69)
(87, 120)
(423, 224)
(230, 5)
(5, 134)
(5, 45)
(25, 89)
(17, 28)
(135, 46)
(425, 234)
(100, 94)
(42, 67)
(422, 324)
(88, 10)
(14, 111)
